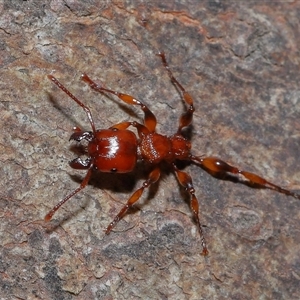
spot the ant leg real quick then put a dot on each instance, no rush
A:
(186, 181)
(218, 166)
(149, 119)
(141, 129)
(187, 117)
(121, 126)
(153, 177)
(82, 186)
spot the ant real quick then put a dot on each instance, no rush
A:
(118, 149)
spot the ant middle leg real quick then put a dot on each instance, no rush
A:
(187, 117)
(153, 177)
(149, 118)
(217, 166)
(186, 181)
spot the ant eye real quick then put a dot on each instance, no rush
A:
(114, 170)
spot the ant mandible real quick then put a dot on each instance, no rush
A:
(117, 150)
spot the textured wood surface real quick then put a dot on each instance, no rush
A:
(240, 61)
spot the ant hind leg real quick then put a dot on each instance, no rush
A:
(217, 166)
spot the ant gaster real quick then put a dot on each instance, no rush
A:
(117, 149)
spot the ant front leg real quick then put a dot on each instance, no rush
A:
(217, 166)
(187, 117)
(153, 177)
(149, 119)
(121, 126)
(141, 129)
(186, 181)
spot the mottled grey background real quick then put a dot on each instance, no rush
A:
(240, 62)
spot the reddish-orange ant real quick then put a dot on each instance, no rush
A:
(117, 150)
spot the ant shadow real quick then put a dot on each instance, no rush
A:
(118, 183)
(130, 111)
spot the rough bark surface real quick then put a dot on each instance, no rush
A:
(239, 60)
